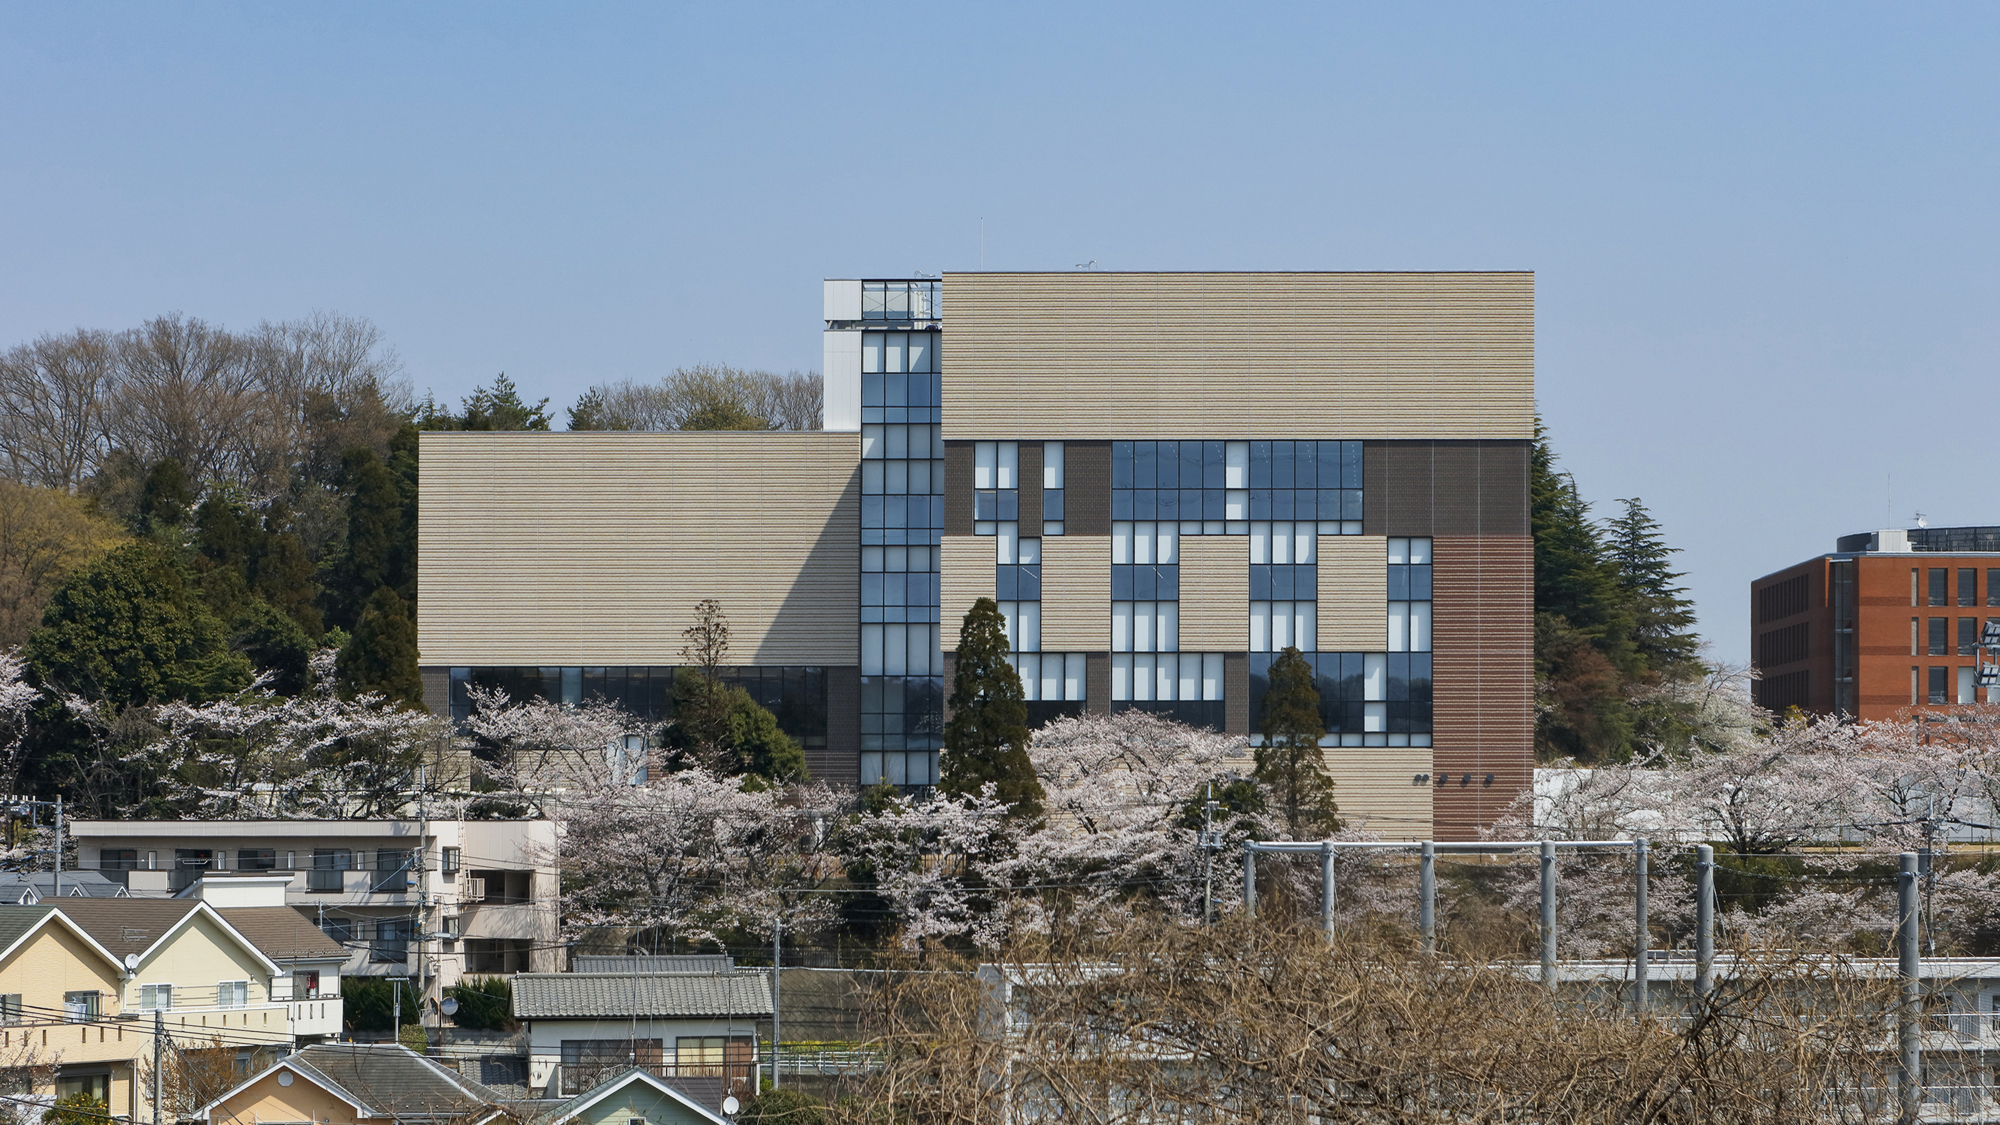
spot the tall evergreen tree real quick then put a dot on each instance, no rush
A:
(1663, 629)
(986, 738)
(375, 542)
(1290, 764)
(165, 499)
(382, 656)
(499, 407)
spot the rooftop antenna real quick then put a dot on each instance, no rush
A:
(1091, 264)
(982, 242)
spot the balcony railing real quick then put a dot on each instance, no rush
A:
(580, 1077)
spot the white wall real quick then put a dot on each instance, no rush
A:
(841, 362)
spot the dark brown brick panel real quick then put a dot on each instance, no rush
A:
(1445, 488)
(1096, 665)
(958, 487)
(1235, 693)
(840, 763)
(1087, 488)
(1483, 678)
(1031, 488)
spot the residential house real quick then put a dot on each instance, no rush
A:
(585, 1027)
(357, 1084)
(430, 899)
(26, 888)
(639, 1095)
(84, 983)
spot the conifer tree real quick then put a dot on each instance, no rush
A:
(165, 498)
(382, 656)
(1664, 617)
(375, 542)
(986, 739)
(1290, 765)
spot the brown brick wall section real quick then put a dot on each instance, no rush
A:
(1031, 489)
(1483, 677)
(1096, 672)
(958, 487)
(1436, 488)
(1087, 488)
(437, 690)
(1235, 693)
(840, 763)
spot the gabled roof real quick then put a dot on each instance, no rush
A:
(660, 995)
(381, 1080)
(38, 885)
(654, 963)
(142, 925)
(613, 1085)
(18, 923)
(283, 933)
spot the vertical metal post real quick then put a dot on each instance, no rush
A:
(396, 993)
(777, 991)
(159, 1058)
(1427, 887)
(1642, 943)
(1704, 921)
(1549, 913)
(1326, 887)
(1909, 1068)
(1249, 880)
(59, 846)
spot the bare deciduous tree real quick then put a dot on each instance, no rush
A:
(704, 397)
(53, 394)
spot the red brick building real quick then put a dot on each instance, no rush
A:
(1889, 621)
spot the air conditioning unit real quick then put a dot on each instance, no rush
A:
(475, 888)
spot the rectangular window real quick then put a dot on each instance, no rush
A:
(305, 984)
(392, 871)
(392, 943)
(156, 997)
(118, 859)
(256, 859)
(80, 1006)
(1913, 590)
(1968, 636)
(329, 867)
(1940, 636)
(449, 864)
(339, 930)
(1968, 682)
(1993, 586)
(232, 994)
(1940, 685)
(1914, 650)
(1968, 586)
(1913, 686)
(1940, 580)
(10, 1008)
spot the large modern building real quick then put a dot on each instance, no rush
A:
(1163, 478)
(1887, 622)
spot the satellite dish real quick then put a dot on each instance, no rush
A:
(131, 962)
(449, 1007)
(730, 1105)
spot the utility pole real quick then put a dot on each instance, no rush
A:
(159, 1058)
(1210, 844)
(777, 990)
(396, 995)
(1427, 889)
(1909, 1054)
(1549, 913)
(1704, 921)
(59, 846)
(1642, 938)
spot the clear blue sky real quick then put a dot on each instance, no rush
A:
(1765, 235)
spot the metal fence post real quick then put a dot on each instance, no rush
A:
(1704, 921)
(1326, 887)
(1910, 1060)
(1641, 937)
(1427, 892)
(1249, 880)
(1549, 913)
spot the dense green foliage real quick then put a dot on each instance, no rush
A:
(1610, 624)
(986, 737)
(80, 1108)
(382, 657)
(484, 1003)
(1290, 764)
(785, 1105)
(370, 1003)
(720, 725)
(499, 407)
(129, 629)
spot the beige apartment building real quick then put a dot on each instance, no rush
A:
(1164, 479)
